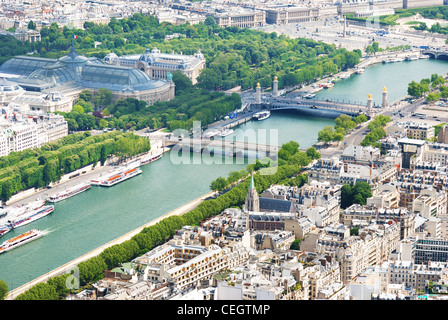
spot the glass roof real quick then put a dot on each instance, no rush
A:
(113, 75)
(56, 73)
(24, 65)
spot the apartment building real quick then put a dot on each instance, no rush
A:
(421, 131)
(273, 240)
(360, 154)
(354, 253)
(430, 203)
(185, 265)
(436, 153)
(387, 196)
(442, 136)
(429, 249)
(24, 129)
(356, 213)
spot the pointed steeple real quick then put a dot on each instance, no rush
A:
(252, 202)
(252, 184)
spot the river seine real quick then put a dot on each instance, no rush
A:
(82, 223)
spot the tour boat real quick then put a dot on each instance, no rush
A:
(119, 176)
(11, 212)
(262, 115)
(30, 216)
(210, 134)
(360, 71)
(4, 229)
(151, 158)
(70, 192)
(412, 58)
(225, 132)
(21, 240)
(309, 96)
(328, 85)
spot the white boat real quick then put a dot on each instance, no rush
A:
(225, 132)
(210, 133)
(412, 58)
(150, 158)
(21, 240)
(30, 216)
(360, 71)
(262, 115)
(391, 60)
(11, 212)
(327, 85)
(344, 76)
(70, 192)
(4, 229)
(309, 96)
(117, 176)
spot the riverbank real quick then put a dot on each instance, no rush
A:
(82, 175)
(367, 62)
(72, 264)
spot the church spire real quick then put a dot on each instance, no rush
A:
(252, 185)
(252, 203)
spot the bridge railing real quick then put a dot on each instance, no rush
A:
(326, 101)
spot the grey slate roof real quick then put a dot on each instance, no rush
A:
(277, 205)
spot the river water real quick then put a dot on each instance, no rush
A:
(85, 222)
(394, 76)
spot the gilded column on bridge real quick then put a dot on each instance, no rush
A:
(275, 87)
(370, 105)
(385, 103)
(258, 94)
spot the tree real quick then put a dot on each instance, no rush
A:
(357, 193)
(31, 25)
(415, 89)
(218, 184)
(326, 134)
(103, 98)
(3, 290)
(295, 245)
(210, 21)
(86, 95)
(182, 82)
(312, 153)
(344, 121)
(360, 119)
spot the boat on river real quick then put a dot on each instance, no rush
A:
(70, 192)
(117, 176)
(262, 115)
(225, 132)
(30, 216)
(20, 240)
(208, 134)
(10, 213)
(309, 96)
(150, 159)
(327, 85)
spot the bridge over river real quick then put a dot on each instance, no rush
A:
(323, 108)
(219, 145)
